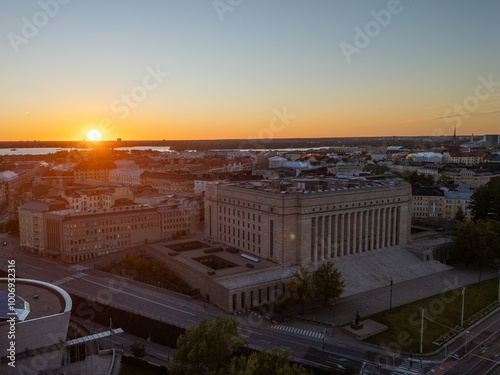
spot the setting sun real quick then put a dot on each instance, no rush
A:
(93, 135)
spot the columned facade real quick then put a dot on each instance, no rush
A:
(346, 233)
(301, 228)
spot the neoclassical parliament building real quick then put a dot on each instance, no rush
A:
(306, 220)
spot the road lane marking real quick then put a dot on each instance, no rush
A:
(29, 265)
(145, 299)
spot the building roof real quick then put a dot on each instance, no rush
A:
(44, 299)
(8, 176)
(95, 165)
(460, 154)
(168, 176)
(42, 206)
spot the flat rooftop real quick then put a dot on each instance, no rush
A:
(223, 263)
(313, 185)
(44, 299)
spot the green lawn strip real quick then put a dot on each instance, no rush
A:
(442, 313)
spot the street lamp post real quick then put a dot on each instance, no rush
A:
(463, 305)
(390, 304)
(323, 340)
(499, 284)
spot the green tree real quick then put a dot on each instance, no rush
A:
(207, 347)
(474, 242)
(274, 362)
(445, 178)
(12, 226)
(459, 215)
(485, 201)
(417, 179)
(300, 287)
(327, 282)
(138, 349)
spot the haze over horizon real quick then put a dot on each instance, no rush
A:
(248, 69)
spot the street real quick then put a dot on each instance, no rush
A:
(309, 344)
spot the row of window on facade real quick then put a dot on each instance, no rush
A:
(237, 213)
(108, 222)
(239, 243)
(98, 247)
(245, 204)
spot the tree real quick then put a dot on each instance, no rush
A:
(300, 287)
(138, 349)
(459, 215)
(417, 179)
(475, 243)
(485, 201)
(445, 178)
(274, 362)
(207, 347)
(12, 226)
(327, 282)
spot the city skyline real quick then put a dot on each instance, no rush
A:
(240, 69)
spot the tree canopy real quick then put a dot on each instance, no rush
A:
(211, 348)
(207, 347)
(327, 282)
(416, 179)
(459, 215)
(274, 362)
(476, 242)
(300, 287)
(485, 201)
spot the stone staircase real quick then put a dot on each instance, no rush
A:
(373, 269)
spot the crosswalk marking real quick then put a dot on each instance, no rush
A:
(298, 331)
(62, 281)
(416, 367)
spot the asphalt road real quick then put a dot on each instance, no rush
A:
(183, 311)
(332, 349)
(479, 353)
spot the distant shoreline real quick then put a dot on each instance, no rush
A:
(228, 144)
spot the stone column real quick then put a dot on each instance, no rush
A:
(342, 234)
(388, 227)
(335, 236)
(382, 242)
(372, 232)
(348, 233)
(366, 233)
(395, 227)
(315, 242)
(354, 232)
(321, 239)
(377, 231)
(328, 254)
(362, 231)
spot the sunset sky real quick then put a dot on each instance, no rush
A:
(186, 69)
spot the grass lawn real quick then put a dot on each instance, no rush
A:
(442, 313)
